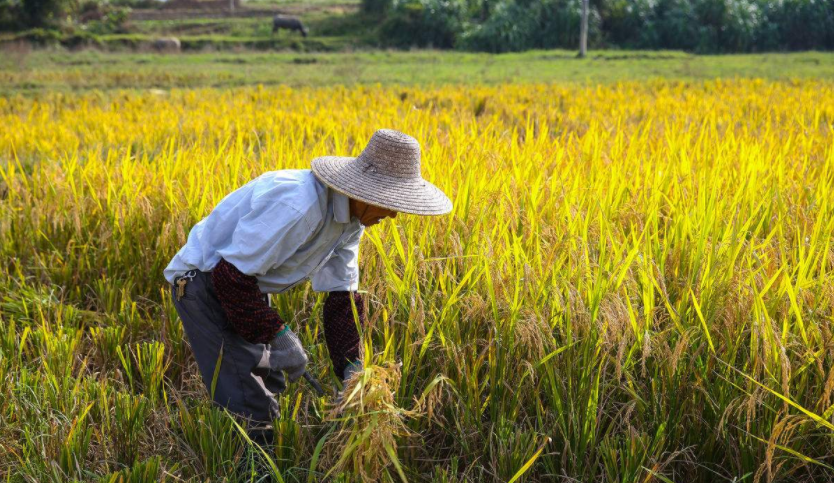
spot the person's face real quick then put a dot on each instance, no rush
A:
(370, 215)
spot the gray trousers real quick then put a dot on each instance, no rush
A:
(240, 387)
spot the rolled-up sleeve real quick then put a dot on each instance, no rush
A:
(341, 271)
(246, 308)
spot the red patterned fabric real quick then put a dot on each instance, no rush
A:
(340, 331)
(246, 307)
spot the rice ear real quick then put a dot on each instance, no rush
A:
(368, 424)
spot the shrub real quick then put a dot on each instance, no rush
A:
(742, 22)
(799, 24)
(79, 39)
(44, 13)
(691, 25)
(511, 27)
(376, 6)
(725, 25)
(560, 21)
(520, 25)
(40, 37)
(424, 23)
(672, 23)
(108, 19)
(11, 15)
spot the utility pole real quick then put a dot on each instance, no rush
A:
(583, 30)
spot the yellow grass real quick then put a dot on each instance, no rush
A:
(640, 272)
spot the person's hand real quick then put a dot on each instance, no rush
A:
(286, 354)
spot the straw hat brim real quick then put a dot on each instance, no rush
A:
(415, 196)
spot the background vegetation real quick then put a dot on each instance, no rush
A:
(34, 72)
(635, 284)
(690, 25)
(702, 26)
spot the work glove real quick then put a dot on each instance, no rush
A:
(286, 354)
(352, 369)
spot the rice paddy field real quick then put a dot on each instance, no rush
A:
(636, 285)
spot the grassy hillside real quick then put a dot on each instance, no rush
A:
(23, 70)
(323, 22)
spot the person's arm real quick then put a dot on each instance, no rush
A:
(340, 331)
(265, 237)
(245, 306)
(340, 278)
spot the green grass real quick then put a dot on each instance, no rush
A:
(336, 27)
(330, 23)
(47, 70)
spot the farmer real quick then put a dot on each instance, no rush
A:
(271, 234)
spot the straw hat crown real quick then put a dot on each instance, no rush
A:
(392, 152)
(386, 173)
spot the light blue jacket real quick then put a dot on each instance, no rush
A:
(282, 227)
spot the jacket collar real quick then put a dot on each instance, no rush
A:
(341, 207)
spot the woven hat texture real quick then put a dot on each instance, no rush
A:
(386, 173)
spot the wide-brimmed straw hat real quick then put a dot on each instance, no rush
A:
(386, 174)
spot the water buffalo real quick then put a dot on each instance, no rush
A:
(290, 23)
(170, 44)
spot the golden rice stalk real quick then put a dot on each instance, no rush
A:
(369, 424)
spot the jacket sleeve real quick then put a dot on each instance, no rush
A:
(340, 331)
(341, 271)
(246, 308)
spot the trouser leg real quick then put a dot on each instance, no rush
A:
(238, 386)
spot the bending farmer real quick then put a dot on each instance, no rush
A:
(267, 236)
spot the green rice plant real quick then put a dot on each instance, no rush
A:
(53, 419)
(148, 471)
(289, 437)
(210, 439)
(107, 341)
(110, 295)
(147, 368)
(28, 303)
(66, 444)
(75, 445)
(512, 451)
(57, 352)
(625, 457)
(571, 385)
(257, 463)
(151, 364)
(130, 316)
(124, 418)
(173, 336)
(127, 366)
(449, 474)
(12, 342)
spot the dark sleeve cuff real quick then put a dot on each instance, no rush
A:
(246, 308)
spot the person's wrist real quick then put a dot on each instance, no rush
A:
(282, 329)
